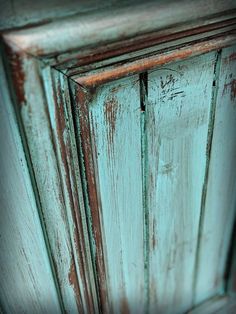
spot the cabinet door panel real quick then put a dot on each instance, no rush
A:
(221, 186)
(114, 119)
(146, 171)
(178, 109)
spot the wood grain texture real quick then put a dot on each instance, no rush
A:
(220, 203)
(114, 120)
(26, 280)
(177, 117)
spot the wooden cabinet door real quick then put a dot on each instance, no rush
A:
(148, 145)
(131, 150)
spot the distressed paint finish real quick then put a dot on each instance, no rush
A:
(61, 120)
(48, 127)
(26, 279)
(114, 131)
(151, 62)
(120, 22)
(177, 117)
(37, 128)
(220, 202)
(114, 119)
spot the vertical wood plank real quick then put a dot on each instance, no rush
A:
(220, 200)
(177, 117)
(114, 115)
(81, 272)
(26, 280)
(43, 160)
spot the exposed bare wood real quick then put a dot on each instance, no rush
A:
(144, 64)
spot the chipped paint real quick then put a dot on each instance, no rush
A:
(74, 283)
(110, 109)
(230, 87)
(148, 63)
(16, 60)
(82, 99)
(124, 306)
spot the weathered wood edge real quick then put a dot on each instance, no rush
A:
(90, 60)
(118, 24)
(23, 268)
(81, 99)
(107, 74)
(208, 157)
(73, 188)
(14, 64)
(79, 275)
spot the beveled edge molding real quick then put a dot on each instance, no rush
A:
(46, 126)
(105, 75)
(120, 23)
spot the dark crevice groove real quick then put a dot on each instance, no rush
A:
(143, 78)
(208, 156)
(143, 90)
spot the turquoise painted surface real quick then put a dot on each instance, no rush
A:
(115, 125)
(151, 163)
(61, 121)
(220, 203)
(177, 117)
(43, 155)
(149, 223)
(26, 281)
(151, 159)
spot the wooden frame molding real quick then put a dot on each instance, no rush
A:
(56, 65)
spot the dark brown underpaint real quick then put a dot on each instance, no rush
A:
(72, 276)
(60, 124)
(83, 99)
(124, 306)
(16, 59)
(66, 155)
(144, 64)
(110, 108)
(232, 57)
(232, 87)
